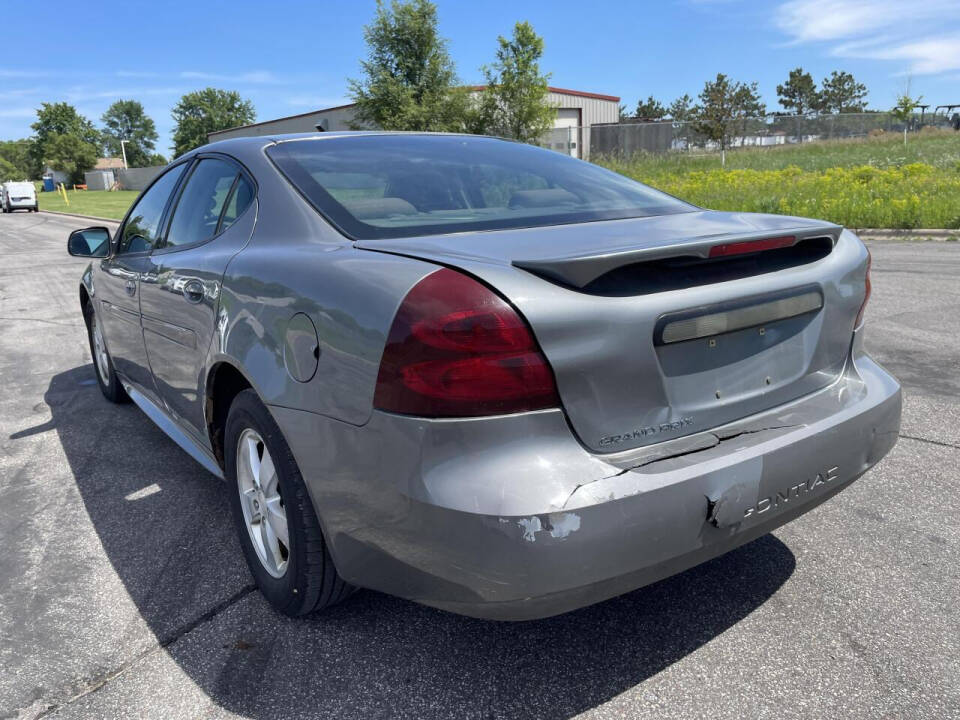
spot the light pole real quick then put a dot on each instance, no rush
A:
(123, 149)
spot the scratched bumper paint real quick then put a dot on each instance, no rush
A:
(514, 519)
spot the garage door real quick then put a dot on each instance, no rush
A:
(566, 133)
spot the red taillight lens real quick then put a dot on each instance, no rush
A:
(457, 349)
(866, 295)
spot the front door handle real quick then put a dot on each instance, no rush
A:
(193, 292)
(131, 287)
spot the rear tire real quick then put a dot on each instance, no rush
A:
(107, 379)
(275, 518)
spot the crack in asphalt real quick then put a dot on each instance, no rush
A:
(932, 442)
(163, 643)
(42, 320)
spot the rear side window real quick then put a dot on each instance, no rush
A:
(143, 225)
(197, 215)
(239, 201)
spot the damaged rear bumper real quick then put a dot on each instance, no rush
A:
(510, 518)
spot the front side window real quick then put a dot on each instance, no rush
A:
(143, 224)
(389, 186)
(197, 214)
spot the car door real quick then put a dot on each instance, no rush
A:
(116, 278)
(180, 287)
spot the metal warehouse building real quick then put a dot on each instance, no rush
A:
(577, 111)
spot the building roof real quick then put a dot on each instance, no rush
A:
(564, 91)
(554, 90)
(109, 164)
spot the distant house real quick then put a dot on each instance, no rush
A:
(104, 174)
(109, 164)
(58, 176)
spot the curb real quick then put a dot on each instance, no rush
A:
(84, 217)
(918, 235)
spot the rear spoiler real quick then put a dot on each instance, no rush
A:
(580, 270)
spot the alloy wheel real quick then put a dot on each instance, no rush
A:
(100, 351)
(263, 512)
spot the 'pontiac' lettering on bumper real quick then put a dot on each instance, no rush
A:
(791, 493)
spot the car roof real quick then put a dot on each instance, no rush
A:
(240, 144)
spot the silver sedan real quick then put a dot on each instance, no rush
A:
(481, 375)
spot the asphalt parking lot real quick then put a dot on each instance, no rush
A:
(123, 591)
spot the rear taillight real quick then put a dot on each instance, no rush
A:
(866, 294)
(457, 349)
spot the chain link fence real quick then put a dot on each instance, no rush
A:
(626, 139)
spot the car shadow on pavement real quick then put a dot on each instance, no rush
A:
(165, 526)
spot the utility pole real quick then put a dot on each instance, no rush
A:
(123, 149)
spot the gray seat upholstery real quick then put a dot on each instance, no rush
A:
(550, 197)
(370, 208)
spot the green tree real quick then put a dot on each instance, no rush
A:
(904, 109)
(156, 159)
(515, 100)
(8, 171)
(841, 93)
(126, 120)
(17, 154)
(724, 106)
(799, 94)
(681, 109)
(205, 111)
(650, 109)
(70, 154)
(58, 119)
(409, 81)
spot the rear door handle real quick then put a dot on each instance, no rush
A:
(131, 287)
(193, 292)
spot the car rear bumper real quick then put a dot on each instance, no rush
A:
(510, 518)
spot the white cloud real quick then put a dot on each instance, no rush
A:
(20, 92)
(256, 77)
(83, 93)
(315, 102)
(926, 56)
(923, 35)
(17, 112)
(136, 74)
(24, 73)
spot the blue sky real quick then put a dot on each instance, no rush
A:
(292, 57)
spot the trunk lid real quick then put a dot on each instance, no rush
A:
(664, 326)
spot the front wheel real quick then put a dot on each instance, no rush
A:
(107, 379)
(277, 524)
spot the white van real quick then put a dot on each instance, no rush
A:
(18, 195)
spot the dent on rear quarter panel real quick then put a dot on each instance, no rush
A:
(295, 263)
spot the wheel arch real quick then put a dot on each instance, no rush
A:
(86, 305)
(225, 380)
(86, 289)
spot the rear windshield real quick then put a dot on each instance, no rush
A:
(390, 186)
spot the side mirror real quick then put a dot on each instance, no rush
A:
(91, 242)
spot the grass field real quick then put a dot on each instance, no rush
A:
(866, 183)
(89, 202)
